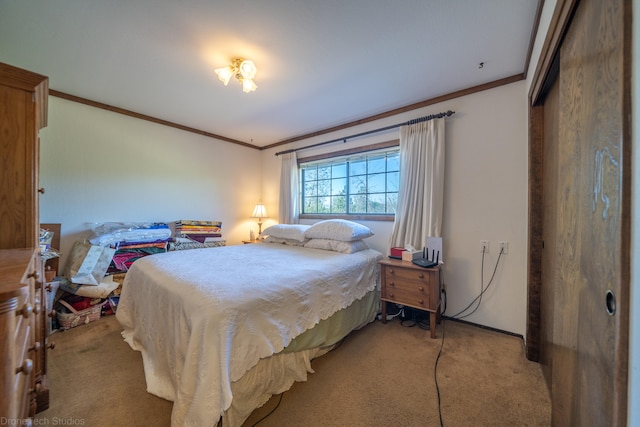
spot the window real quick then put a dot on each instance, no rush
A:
(357, 184)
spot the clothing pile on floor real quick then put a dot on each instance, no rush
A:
(90, 285)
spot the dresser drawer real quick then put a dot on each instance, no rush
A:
(24, 382)
(24, 359)
(23, 333)
(18, 349)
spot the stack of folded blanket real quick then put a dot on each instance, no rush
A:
(131, 242)
(127, 253)
(199, 231)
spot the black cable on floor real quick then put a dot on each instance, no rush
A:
(435, 373)
(270, 412)
(479, 299)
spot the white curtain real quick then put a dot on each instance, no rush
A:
(289, 207)
(420, 196)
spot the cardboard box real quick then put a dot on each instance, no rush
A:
(411, 255)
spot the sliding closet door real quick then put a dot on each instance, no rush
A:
(550, 201)
(586, 219)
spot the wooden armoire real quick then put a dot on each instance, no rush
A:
(24, 388)
(580, 212)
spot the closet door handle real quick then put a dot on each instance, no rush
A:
(610, 302)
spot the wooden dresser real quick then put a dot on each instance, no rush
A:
(21, 332)
(408, 284)
(23, 329)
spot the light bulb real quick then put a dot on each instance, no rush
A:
(248, 69)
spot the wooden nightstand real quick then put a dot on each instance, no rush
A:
(408, 284)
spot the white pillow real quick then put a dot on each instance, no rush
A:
(283, 241)
(337, 245)
(338, 229)
(287, 231)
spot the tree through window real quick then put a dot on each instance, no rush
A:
(359, 184)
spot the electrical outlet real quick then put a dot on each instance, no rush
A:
(484, 246)
(504, 247)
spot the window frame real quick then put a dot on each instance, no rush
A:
(343, 153)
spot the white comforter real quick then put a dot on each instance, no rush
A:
(204, 317)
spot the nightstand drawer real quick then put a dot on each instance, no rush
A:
(407, 276)
(406, 294)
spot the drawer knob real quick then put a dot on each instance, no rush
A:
(26, 368)
(49, 288)
(36, 346)
(51, 346)
(391, 295)
(392, 284)
(35, 275)
(421, 289)
(36, 309)
(52, 313)
(421, 302)
(391, 271)
(421, 276)
(26, 311)
(41, 190)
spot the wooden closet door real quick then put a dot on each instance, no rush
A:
(586, 221)
(22, 113)
(17, 190)
(549, 229)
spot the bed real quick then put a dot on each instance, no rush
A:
(222, 329)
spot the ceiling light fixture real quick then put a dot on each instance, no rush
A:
(242, 69)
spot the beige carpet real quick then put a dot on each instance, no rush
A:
(382, 375)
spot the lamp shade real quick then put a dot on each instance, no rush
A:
(248, 86)
(224, 74)
(259, 211)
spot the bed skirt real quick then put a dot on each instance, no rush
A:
(276, 374)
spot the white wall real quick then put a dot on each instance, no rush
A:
(98, 166)
(485, 198)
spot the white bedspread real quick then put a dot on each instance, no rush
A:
(204, 317)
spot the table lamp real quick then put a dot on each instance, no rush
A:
(259, 212)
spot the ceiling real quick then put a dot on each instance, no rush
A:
(320, 64)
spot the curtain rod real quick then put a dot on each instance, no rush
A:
(345, 138)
